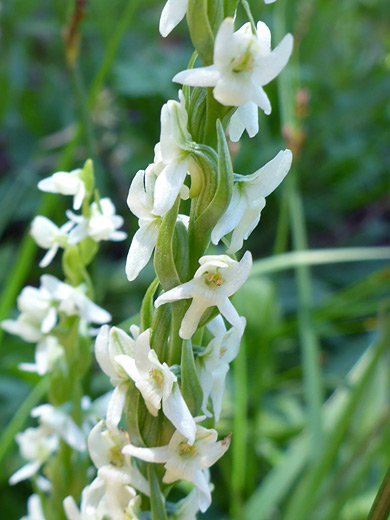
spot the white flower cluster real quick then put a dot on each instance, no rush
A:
(98, 221)
(243, 64)
(40, 310)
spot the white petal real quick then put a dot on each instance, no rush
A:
(157, 455)
(264, 36)
(172, 14)
(115, 406)
(204, 494)
(231, 217)
(265, 180)
(228, 311)
(246, 117)
(71, 510)
(25, 472)
(225, 47)
(176, 410)
(97, 446)
(269, 66)
(46, 260)
(102, 352)
(177, 293)
(234, 90)
(168, 185)
(201, 77)
(192, 317)
(141, 248)
(261, 99)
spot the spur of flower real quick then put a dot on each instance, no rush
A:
(243, 64)
(217, 278)
(248, 199)
(185, 461)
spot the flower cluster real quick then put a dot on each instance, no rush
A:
(168, 371)
(57, 317)
(171, 369)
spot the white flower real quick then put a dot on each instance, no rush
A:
(213, 364)
(104, 499)
(36, 445)
(93, 505)
(47, 352)
(38, 314)
(105, 448)
(73, 301)
(140, 201)
(172, 155)
(67, 184)
(34, 508)
(186, 462)
(59, 422)
(158, 385)
(243, 64)
(110, 343)
(172, 14)
(102, 224)
(248, 199)
(40, 306)
(218, 278)
(49, 236)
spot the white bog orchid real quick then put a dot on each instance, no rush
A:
(217, 278)
(102, 224)
(140, 201)
(110, 343)
(36, 445)
(47, 353)
(172, 14)
(38, 315)
(72, 301)
(57, 421)
(66, 183)
(172, 157)
(105, 448)
(248, 200)
(243, 64)
(40, 307)
(158, 385)
(99, 501)
(185, 461)
(213, 364)
(34, 508)
(49, 236)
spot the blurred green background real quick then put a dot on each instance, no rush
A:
(290, 458)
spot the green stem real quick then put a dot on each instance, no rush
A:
(240, 432)
(309, 343)
(381, 507)
(312, 257)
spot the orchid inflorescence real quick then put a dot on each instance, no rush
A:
(169, 370)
